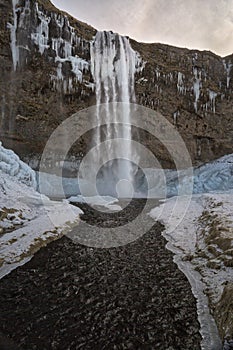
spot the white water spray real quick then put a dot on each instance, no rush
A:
(113, 66)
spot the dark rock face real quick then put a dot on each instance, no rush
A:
(193, 90)
(45, 70)
(40, 86)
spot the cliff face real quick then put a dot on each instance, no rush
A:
(46, 77)
(44, 62)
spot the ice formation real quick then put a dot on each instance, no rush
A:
(13, 28)
(210, 177)
(11, 164)
(28, 219)
(180, 84)
(157, 72)
(196, 86)
(40, 36)
(175, 116)
(212, 96)
(228, 66)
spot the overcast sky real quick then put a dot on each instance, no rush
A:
(200, 24)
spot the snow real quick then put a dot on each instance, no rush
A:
(189, 232)
(28, 220)
(186, 240)
(105, 201)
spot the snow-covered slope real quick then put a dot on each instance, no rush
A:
(203, 247)
(28, 220)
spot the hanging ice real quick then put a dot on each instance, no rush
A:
(212, 96)
(196, 86)
(41, 36)
(228, 66)
(13, 28)
(180, 84)
(38, 34)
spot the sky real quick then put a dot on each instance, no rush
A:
(196, 24)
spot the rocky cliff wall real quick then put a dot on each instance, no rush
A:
(46, 77)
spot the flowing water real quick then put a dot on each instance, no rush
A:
(113, 66)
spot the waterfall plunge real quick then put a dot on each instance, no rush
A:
(113, 66)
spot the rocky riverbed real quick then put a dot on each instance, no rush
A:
(71, 296)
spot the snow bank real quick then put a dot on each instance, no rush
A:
(105, 201)
(28, 220)
(203, 247)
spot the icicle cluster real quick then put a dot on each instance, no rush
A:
(63, 42)
(180, 84)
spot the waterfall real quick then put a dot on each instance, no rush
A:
(113, 66)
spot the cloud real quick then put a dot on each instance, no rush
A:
(188, 23)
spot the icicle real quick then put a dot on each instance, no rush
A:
(199, 148)
(41, 36)
(228, 66)
(175, 117)
(157, 72)
(196, 86)
(24, 14)
(212, 96)
(13, 29)
(59, 71)
(180, 84)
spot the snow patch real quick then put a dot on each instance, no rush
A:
(105, 201)
(192, 253)
(28, 220)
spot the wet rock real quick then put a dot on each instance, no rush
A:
(71, 296)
